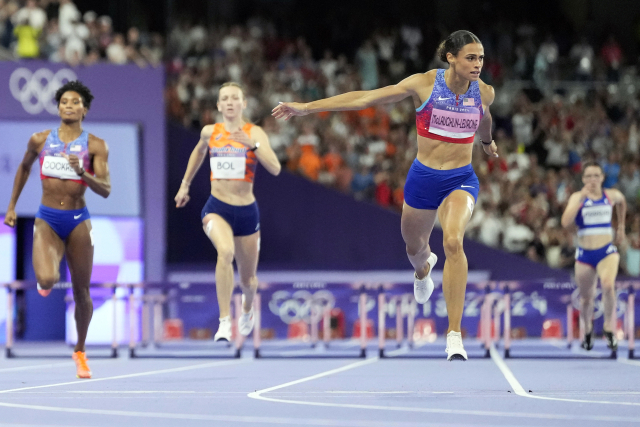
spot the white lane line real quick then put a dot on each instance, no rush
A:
(368, 392)
(139, 374)
(520, 391)
(256, 394)
(229, 418)
(259, 395)
(41, 366)
(630, 361)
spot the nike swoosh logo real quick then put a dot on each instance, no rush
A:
(77, 216)
(467, 186)
(442, 99)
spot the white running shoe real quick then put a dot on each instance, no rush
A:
(245, 324)
(423, 288)
(224, 330)
(455, 349)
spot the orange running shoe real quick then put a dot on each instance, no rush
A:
(83, 370)
(43, 292)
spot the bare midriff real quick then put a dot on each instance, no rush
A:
(443, 155)
(63, 194)
(594, 242)
(233, 192)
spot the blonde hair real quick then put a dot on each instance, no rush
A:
(231, 84)
(239, 86)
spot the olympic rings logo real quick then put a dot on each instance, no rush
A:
(35, 91)
(301, 305)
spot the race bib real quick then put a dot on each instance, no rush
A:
(454, 121)
(58, 167)
(600, 214)
(228, 167)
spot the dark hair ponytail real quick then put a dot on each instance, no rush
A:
(455, 42)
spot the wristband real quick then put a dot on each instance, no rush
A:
(486, 143)
(186, 183)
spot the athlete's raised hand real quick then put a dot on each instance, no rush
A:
(10, 218)
(286, 110)
(182, 198)
(74, 162)
(490, 149)
(242, 138)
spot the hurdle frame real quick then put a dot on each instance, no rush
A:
(629, 328)
(152, 313)
(326, 335)
(13, 287)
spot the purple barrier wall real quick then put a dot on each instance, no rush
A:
(123, 94)
(285, 306)
(308, 226)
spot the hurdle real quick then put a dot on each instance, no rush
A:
(629, 320)
(405, 340)
(152, 300)
(13, 287)
(314, 347)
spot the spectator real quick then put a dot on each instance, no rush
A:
(612, 56)
(582, 55)
(27, 46)
(310, 163)
(116, 51)
(31, 15)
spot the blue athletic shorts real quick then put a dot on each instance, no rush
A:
(593, 257)
(426, 188)
(62, 222)
(244, 220)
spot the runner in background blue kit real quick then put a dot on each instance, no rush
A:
(591, 210)
(71, 160)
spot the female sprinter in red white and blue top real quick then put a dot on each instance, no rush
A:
(71, 159)
(591, 210)
(230, 218)
(451, 106)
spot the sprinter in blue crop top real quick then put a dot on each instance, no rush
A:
(71, 160)
(452, 106)
(591, 210)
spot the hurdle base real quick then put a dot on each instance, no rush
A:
(631, 355)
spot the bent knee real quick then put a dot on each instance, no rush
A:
(46, 281)
(452, 246)
(249, 281)
(416, 248)
(225, 255)
(607, 286)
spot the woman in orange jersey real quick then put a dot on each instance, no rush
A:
(230, 218)
(452, 105)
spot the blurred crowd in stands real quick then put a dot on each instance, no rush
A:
(56, 30)
(544, 132)
(543, 138)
